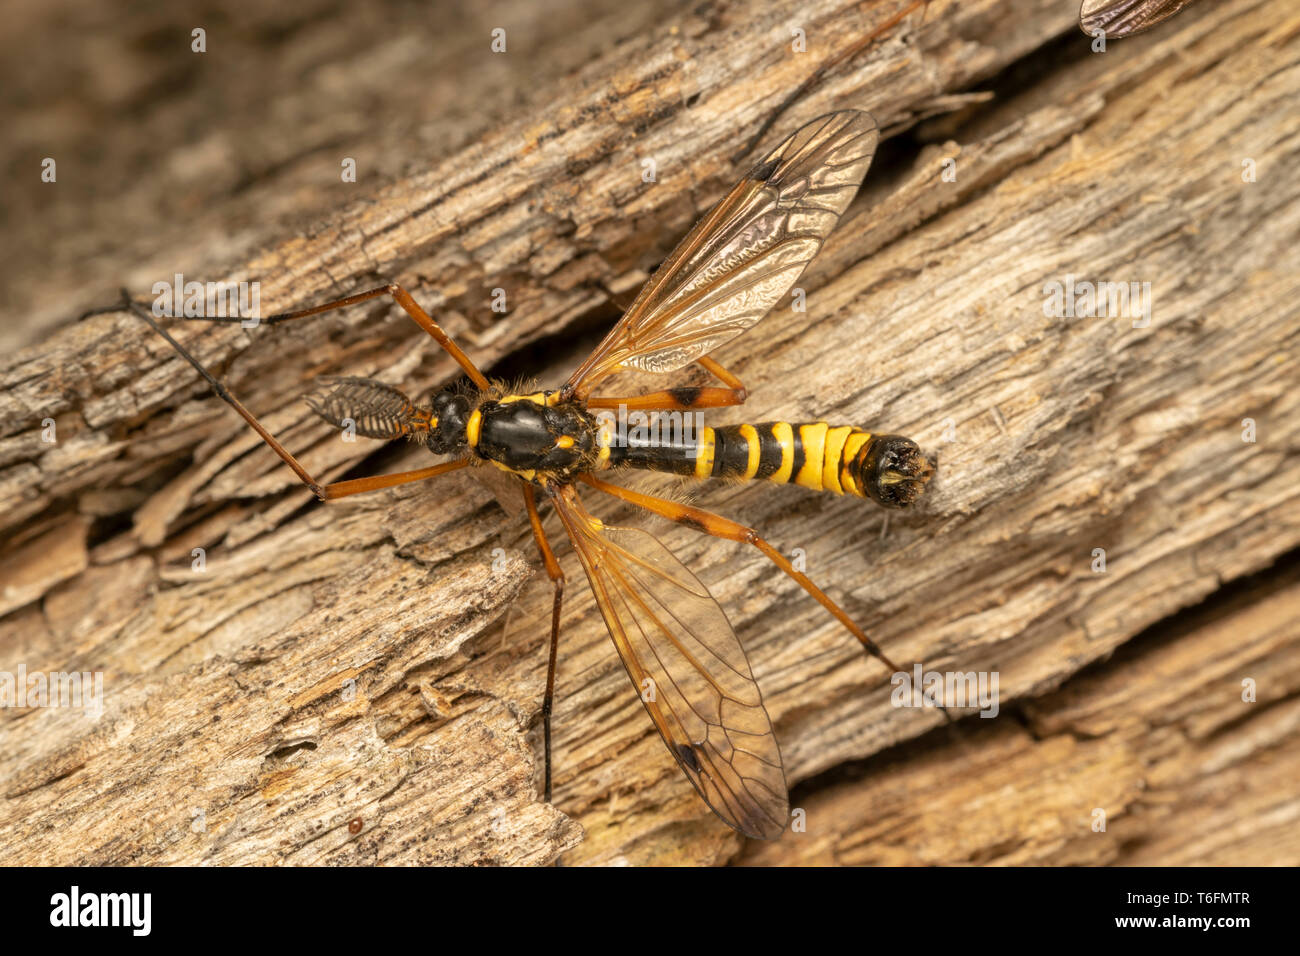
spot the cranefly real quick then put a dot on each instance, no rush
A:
(684, 659)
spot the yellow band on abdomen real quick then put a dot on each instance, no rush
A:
(813, 439)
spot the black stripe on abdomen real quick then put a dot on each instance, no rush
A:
(731, 451)
(770, 451)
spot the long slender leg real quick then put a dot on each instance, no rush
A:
(333, 490)
(355, 486)
(684, 399)
(401, 297)
(721, 527)
(556, 574)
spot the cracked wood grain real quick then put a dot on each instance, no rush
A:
(925, 316)
(1180, 769)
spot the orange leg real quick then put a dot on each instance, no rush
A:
(556, 574)
(684, 399)
(356, 486)
(325, 492)
(721, 527)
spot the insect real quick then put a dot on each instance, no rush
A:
(727, 273)
(1121, 18)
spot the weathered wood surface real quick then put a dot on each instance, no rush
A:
(344, 663)
(1177, 774)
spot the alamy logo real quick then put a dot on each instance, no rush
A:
(636, 429)
(102, 909)
(208, 300)
(84, 689)
(951, 689)
(1098, 300)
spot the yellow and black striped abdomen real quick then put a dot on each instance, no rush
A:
(838, 458)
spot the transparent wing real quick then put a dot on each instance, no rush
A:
(1120, 18)
(741, 258)
(687, 666)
